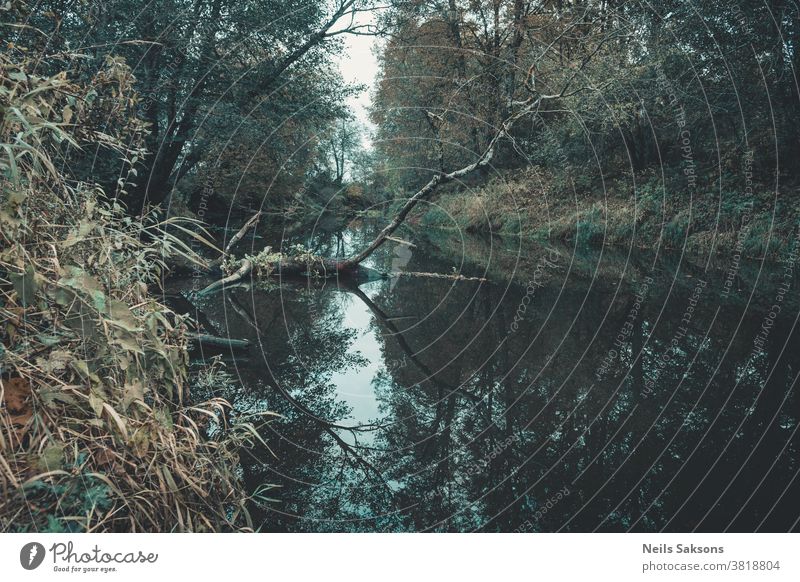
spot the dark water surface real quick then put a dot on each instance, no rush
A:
(575, 390)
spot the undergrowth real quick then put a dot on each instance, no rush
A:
(648, 214)
(99, 430)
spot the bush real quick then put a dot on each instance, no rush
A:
(437, 216)
(590, 227)
(96, 428)
(675, 232)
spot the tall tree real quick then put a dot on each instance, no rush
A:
(197, 60)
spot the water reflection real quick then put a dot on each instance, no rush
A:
(573, 391)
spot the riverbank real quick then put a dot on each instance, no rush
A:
(753, 223)
(103, 427)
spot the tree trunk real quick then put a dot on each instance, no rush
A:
(219, 342)
(237, 237)
(441, 178)
(322, 267)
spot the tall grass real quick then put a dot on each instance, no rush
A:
(98, 430)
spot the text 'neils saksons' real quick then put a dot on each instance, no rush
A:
(681, 549)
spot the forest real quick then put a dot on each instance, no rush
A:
(169, 170)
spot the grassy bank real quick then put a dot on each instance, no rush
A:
(757, 225)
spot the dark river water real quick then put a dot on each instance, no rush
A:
(573, 390)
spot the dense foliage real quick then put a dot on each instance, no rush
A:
(99, 430)
(679, 104)
(233, 93)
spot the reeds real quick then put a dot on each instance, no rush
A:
(98, 431)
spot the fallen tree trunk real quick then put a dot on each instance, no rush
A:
(529, 105)
(237, 237)
(288, 266)
(401, 241)
(452, 277)
(321, 267)
(218, 342)
(243, 270)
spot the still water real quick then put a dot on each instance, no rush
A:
(572, 390)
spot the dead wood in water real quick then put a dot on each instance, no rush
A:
(401, 241)
(452, 276)
(349, 267)
(528, 106)
(251, 223)
(218, 342)
(243, 270)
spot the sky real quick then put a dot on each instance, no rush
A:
(358, 64)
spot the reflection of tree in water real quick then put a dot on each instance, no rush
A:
(326, 237)
(310, 455)
(493, 464)
(482, 426)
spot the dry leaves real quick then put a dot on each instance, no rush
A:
(16, 404)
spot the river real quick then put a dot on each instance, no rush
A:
(573, 390)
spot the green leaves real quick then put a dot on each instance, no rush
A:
(121, 317)
(25, 286)
(90, 307)
(85, 227)
(119, 422)
(78, 280)
(93, 398)
(51, 458)
(132, 392)
(97, 400)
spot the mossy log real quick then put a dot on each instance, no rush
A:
(268, 264)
